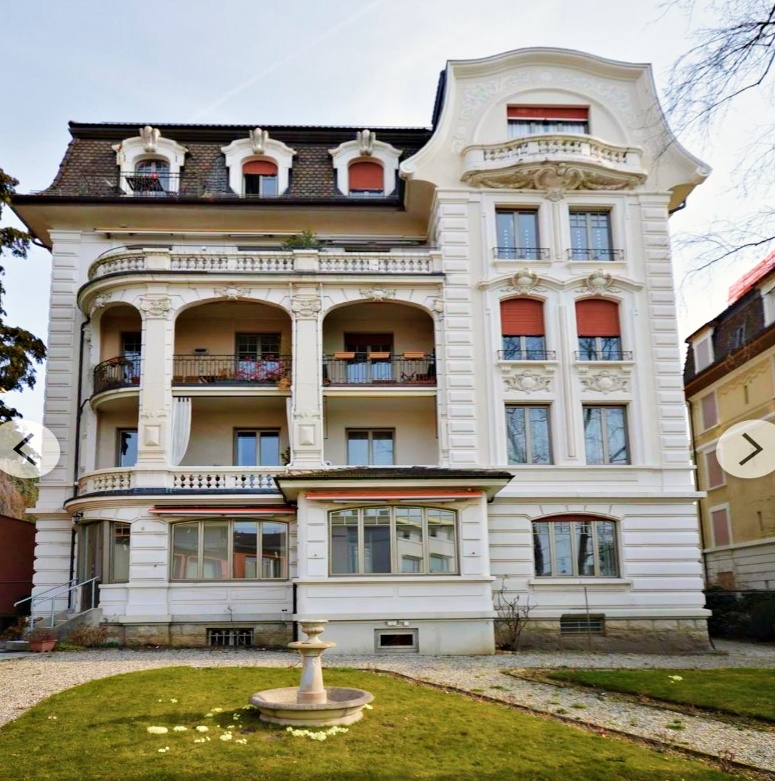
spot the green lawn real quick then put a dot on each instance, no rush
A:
(99, 731)
(738, 691)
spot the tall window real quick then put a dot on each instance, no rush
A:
(256, 448)
(590, 236)
(709, 411)
(254, 346)
(151, 178)
(373, 357)
(567, 546)
(370, 448)
(260, 178)
(530, 120)
(103, 552)
(597, 324)
(703, 353)
(517, 231)
(522, 327)
(229, 550)
(127, 447)
(366, 179)
(393, 540)
(720, 522)
(605, 435)
(131, 350)
(527, 433)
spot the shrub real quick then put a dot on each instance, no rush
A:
(762, 623)
(84, 636)
(732, 610)
(16, 631)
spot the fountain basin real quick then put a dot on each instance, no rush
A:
(341, 706)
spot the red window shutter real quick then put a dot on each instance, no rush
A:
(715, 472)
(522, 317)
(548, 112)
(709, 412)
(265, 167)
(596, 317)
(365, 175)
(720, 527)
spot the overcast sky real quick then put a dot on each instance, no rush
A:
(341, 62)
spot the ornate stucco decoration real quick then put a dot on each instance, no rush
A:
(101, 301)
(366, 139)
(153, 414)
(437, 305)
(150, 137)
(378, 293)
(155, 306)
(305, 307)
(605, 382)
(598, 283)
(307, 414)
(523, 282)
(527, 381)
(258, 139)
(231, 292)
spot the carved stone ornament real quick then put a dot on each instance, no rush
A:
(305, 307)
(605, 382)
(231, 292)
(524, 281)
(101, 301)
(258, 139)
(307, 414)
(527, 381)
(378, 293)
(553, 179)
(366, 139)
(150, 137)
(153, 414)
(598, 283)
(155, 306)
(437, 305)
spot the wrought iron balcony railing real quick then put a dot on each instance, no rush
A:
(119, 372)
(527, 355)
(522, 253)
(350, 368)
(587, 253)
(603, 355)
(231, 370)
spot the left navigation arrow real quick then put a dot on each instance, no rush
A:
(18, 449)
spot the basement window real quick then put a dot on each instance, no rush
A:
(231, 637)
(392, 641)
(573, 624)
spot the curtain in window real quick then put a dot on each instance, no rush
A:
(181, 429)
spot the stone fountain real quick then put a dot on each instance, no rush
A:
(311, 704)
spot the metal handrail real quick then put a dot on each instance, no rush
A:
(68, 587)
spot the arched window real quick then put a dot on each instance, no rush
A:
(260, 178)
(366, 179)
(597, 324)
(575, 546)
(522, 327)
(224, 549)
(393, 540)
(151, 178)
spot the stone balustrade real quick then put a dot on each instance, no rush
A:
(126, 261)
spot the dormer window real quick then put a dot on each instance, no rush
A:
(259, 178)
(151, 178)
(150, 165)
(532, 120)
(366, 179)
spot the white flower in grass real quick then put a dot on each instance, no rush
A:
(202, 728)
(226, 736)
(199, 740)
(241, 740)
(179, 729)
(173, 700)
(217, 710)
(675, 678)
(157, 730)
(368, 707)
(164, 750)
(208, 715)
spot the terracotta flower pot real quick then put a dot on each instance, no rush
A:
(41, 646)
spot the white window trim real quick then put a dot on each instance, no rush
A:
(768, 295)
(706, 334)
(149, 145)
(706, 453)
(379, 152)
(703, 428)
(712, 528)
(258, 147)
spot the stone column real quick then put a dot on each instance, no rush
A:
(306, 433)
(155, 414)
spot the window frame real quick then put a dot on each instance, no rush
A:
(119, 433)
(200, 555)
(708, 457)
(370, 432)
(518, 251)
(395, 561)
(259, 432)
(529, 436)
(263, 181)
(589, 251)
(107, 535)
(605, 437)
(573, 520)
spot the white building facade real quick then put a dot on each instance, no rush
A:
(375, 375)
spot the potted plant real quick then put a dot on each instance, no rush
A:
(41, 640)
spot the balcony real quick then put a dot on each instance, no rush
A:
(595, 253)
(383, 369)
(231, 370)
(118, 372)
(210, 261)
(603, 355)
(522, 253)
(527, 355)
(183, 479)
(553, 162)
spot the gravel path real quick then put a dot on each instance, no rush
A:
(27, 679)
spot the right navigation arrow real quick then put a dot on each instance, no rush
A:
(755, 453)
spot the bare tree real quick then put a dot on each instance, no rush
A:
(513, 615)
(731, 58)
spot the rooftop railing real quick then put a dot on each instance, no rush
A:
(350, 368)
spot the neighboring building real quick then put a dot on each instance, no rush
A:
(729, 377)
(472, 368)
(17, 546)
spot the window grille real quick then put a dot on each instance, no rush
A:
(230, 637)
(582, 624)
